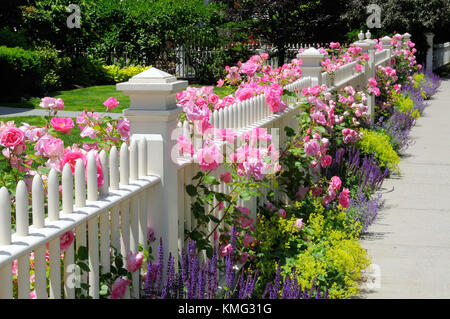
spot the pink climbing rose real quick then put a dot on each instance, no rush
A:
(111, 103)
(62, 124)
(344, 198)
(11, 137)
(134, 261)
(66, 240)
(335, 183)
(119, 288)
(209, 157)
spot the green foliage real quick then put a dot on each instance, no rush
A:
(117, 74)
(54, 65)
(21, 72)
(405, 104)
(420, 81)
(13, 39)
(378, 142)
(86, 71)
(325, 249)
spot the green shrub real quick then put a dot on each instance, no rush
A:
(54, 67)
(404, 104)
(378, 143)
(325, 249)
(21, 73)
(115, 74)
(13, 39)
(86, 71)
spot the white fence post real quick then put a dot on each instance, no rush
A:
(386, 44)
(153, 111)
(370, 73)
(429, 63)
(311, 66)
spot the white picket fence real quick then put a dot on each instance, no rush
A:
(114, 215)
(146, 189)
(441, 55)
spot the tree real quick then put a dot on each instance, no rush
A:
(281, 22)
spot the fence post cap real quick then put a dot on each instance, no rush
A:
(311, 52)
(386, 39)
(406, 36)
(153, 79)
(360, 35)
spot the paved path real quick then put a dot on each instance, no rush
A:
(410, 239)
(14, 111)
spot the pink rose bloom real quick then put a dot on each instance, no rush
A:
(334, 45)
(220, 82)
(265, 56)
(71, 158)
(134, 261)
(270, 206)
(343, 198)
(335, 183)
(209, 157)
(52, 103)
(301, 193)
(226, 178)
(11, 137)
(89, 132)
(359, 67)
(66, 240)
(111, 103)
(247, 240)
(59, 104)
(119, 288)
(185, 145)
(123, 126)
(62, 124)
(326, 160)
(299, 224)
(282, 213)
(244, 94)
(373, 82)
(312, 147)
(330, 196)
(250, 68)
(225, 250)
(54, 147)
(228, 100)
(213, 99)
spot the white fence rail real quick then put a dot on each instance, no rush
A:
(142, 185)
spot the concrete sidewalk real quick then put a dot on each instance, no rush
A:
(6, 111)
(410, 239)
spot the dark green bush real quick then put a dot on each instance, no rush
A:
(13, 39)
(21, 73)
(54, 66)
(86, 71)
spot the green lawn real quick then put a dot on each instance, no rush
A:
(68, 139)
(93, 97)
(79, 99)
